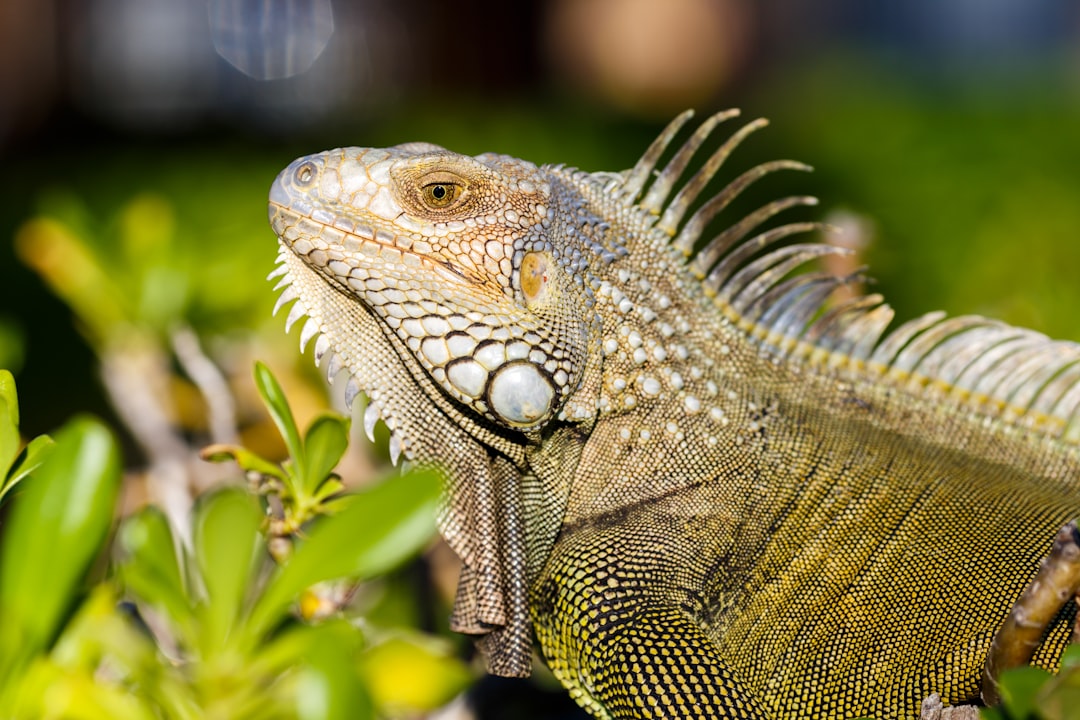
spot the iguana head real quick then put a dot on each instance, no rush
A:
(454, 255)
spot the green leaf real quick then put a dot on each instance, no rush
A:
(325, 443)
(49, 691)
(376, 531)
(9, 423)
(328, 687)
(410, 674)
(247, 460)
(55, 530)
(1070, 658)
(9, 393)
(332, 486)
(1060, 696)
(101, 634)
(150, 569)
(100, 626)
(278, 406)
(29, 460)
(1019, 689)
(225, 541)
(15, 465)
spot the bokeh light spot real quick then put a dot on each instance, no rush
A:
(271, 39)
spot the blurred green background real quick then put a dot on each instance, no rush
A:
(138, 139)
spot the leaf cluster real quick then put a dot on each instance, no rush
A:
(200, 620)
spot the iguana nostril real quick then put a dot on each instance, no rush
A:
(305, 174)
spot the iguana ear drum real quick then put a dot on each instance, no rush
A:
(535, 274)
(521, 394)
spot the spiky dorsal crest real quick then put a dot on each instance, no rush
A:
(1016, 375)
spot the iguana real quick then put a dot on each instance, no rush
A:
(705, 490)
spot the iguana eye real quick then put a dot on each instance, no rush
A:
(434, 193)
(440, 195)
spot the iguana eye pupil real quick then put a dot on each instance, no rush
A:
(440, 195)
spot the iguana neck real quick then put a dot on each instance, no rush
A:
(688, 387)
(674, 396)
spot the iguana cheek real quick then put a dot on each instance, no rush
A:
(512, 381)
(468, 377)
(518, 393)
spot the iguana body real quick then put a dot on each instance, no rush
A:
(699, 493)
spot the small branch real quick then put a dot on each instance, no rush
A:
(211, 384)
(135, 374)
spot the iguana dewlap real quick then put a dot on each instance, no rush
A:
(702, 488)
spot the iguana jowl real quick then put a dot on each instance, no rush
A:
(704, 490)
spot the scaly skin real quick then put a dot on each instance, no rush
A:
(701, 497)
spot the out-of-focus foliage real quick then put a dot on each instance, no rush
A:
(140, 268)
(971, 190)
(214, 628)
(142, 252)
(1031, 693)
(16, 463)
(54, 532)
(170, 296)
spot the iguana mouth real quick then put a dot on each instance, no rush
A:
(295, 222)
